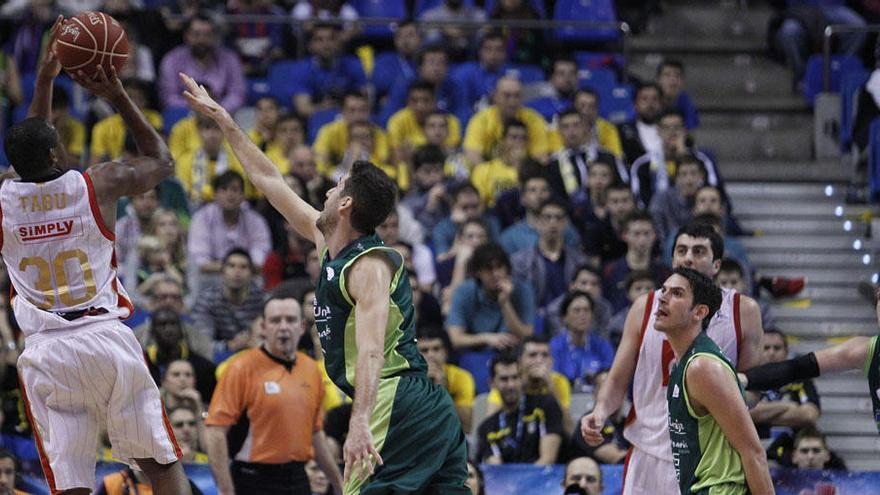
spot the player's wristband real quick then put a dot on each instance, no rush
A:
(774, 375)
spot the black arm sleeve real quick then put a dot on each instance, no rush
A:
(774, 375)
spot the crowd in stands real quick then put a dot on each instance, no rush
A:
(528, 219)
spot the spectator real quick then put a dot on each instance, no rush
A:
(587, 279)
(465, 205)
(548, 265)
(152, 260)
(584, 473)
(136, 222)
(577, 353)
(406, 127)
(179, 386)
(426, 199)
(227, 222)
(637, 283)
(287, 262)
(865, 109)
(9, 469)
(422, 258)
(266, 120)
(329, 75)
(590, 202)
(603, 239)
(523, 45)
(26, 43)
(327, 10)
(614, 447)
(166, 329)
(362, 145)
(490, 308)
(452, 266)
(437, 133)
(519, 433)
(477, 80)
(563, 84)
(603, 134)
(709, 205)
(524, 234)
(670, 78)
(672, 208)
(811, 451)
(202, 57)
(800, 27)
(187, 426)
(167, 293)
(650, 172)
(198, 168)
(224, 311)
(486, 130)
(258, 387)
(290, 133)
(109, 134)
(460, 40)
(334, 141)
(475, 476)
(500, 174)
(258, 43)
(433, 343)
(303, 170)
(641, 135)
(731, 275)
(71, 132)
(570, 167)
(11, 94)
(399, 63)
(140, 63)
(782, 413)
(640, 237)
(433, 67)
(318, 482)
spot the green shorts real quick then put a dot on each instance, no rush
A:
(418, 434)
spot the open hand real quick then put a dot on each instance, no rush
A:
(359, 452)
(591, 428)
(50, 67)
(199, 99)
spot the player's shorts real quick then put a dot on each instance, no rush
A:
(644, 474)
(417, 432)
(76, 380)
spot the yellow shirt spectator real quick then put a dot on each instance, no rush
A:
(108, 135)
(196, 170)
(460, 385)
(403, 128)
(485, 129)
(560, 384)
(608, 138)
(492, 178)
(73, 136)
(332, 143)
(184, 137)
(332, 395)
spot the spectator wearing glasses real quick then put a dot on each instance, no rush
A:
(187, 427)
(167, 293)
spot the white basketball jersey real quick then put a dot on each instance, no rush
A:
(646, 425)
(59, 253)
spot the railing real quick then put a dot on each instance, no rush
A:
(830, 31)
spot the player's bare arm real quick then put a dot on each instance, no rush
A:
(138, 175)
(622, 369)
(41, 104)
(218, 453)
(713, 390)
(369, 285)
(259, 169)
(752, 333)
(548, 448)
(849, 355)
(326, 462)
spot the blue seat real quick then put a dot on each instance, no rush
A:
(258, 87)
(850, 82)
(173, 115)
(601, 81)
(78, 106)
(422, 6)
(874, 161)
(395, 9)
(526, 73)
(840, 64)
(585, 10)
(283, 78)
(320, 119)
(477, 363)
(538, 5)
(618, 106)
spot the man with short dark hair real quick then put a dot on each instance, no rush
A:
(670, 78)
(433, 342)
(464, 205)
(641, 135)
(603, 133)
(519, 433)
(534, 191)
(328, 74)
(167, 293)
(602, 239)
(672, 208)
(433, 67)
(563, 83)
(197, 167)
(426, 199)
(365, 319)
(399, 63)
(476, 79)
(333, 141)
(406, 127)
(9, 467)
(170, 344)
(584, 473)
(811, 450)
(640, 237)
(501, 173)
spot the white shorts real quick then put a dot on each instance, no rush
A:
(75, 380)
(644, 474)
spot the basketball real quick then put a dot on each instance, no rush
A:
(89, 40)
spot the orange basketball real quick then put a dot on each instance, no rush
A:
(89, 40)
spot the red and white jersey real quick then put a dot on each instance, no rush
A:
(59, 253)
(646, 425)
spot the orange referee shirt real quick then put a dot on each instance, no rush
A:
(282, 405)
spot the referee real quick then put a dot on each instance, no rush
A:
(266, 413)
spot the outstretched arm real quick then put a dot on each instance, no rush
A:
(712, 389)
(41, 103)
(369, 285)
(260, 170)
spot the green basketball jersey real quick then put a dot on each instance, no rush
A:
(334, 315)
(872, 371)
(704, 459)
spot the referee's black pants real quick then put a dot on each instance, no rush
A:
(270, 479)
